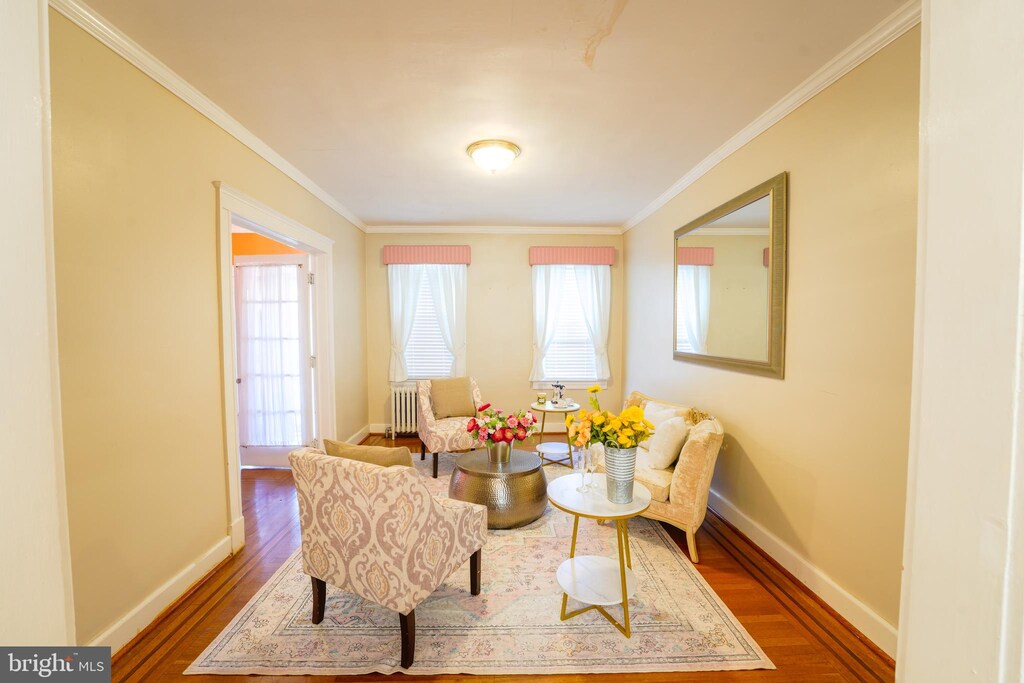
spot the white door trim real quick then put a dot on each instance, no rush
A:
(962, 600)
(264, 220)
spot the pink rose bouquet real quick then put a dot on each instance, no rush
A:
(492, 426)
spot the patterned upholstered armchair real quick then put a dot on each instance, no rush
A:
(377, 532)
(679, 494)
(445, 435)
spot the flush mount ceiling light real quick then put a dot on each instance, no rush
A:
(493, 155)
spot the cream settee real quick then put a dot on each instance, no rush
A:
(679, 492)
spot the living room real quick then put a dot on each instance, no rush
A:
(840, 485)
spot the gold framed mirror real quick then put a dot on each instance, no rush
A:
(730, 283)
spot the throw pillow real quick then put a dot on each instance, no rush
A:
(375, 455)
(663, 448)
(452, 398)
(656, 413)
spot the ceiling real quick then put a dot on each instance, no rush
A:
(752, 219)
(611, 101)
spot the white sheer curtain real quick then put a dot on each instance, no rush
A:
(404, 290)
(694, 304)
(447, 284)
(595, 288)
(548, 282)
(270, 354)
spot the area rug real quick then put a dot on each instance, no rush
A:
(512, 627)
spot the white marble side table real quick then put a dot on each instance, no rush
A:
(591, 579)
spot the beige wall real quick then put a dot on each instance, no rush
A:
(499, 352)
(138, 320)
(819, 459)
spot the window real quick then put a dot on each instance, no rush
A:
(693, 299)
(571, 314)
(682, 342)
(571, 355)
(426, 354)
(428, 320)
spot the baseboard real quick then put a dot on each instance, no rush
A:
(360, 435)
(237, 534)
(143, 614)
(862, 617)
(377, 428)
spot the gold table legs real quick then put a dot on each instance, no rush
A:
(564, 462)
(625, 561)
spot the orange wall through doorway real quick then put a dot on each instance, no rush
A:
(252, 244)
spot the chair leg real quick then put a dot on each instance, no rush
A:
(474, 572)
(319, 599)
(435, 465)
(423, 451)
(408, 623)
(691, 543)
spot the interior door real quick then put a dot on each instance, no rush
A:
(275, 358)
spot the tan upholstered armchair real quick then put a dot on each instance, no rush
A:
(377, 532)
(679, 493)
(445, 435)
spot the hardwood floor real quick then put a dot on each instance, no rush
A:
(804, 638)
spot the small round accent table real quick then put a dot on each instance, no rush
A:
(591, 579)
(554, 448)
(515, 493)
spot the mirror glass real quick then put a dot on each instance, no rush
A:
(728, 276)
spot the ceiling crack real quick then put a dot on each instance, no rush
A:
(603, 31)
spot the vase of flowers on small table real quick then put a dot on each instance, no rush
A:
(498, 432)
(619, 435)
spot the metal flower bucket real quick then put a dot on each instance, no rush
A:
(499, 453)
(619, 467)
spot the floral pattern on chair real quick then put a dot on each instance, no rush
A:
(446, 435)
(378, 533)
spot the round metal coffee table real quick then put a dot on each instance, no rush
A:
(515, 493)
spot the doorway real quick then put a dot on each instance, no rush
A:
(274, 354)
(278, 355)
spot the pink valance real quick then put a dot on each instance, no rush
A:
(765, 257)
(426, 253)
(696, 256)
(578, 256)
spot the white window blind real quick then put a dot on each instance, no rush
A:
(571, 356)
(426, 354)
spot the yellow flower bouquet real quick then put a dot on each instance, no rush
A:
(625, 430)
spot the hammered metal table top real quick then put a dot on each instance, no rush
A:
(521, 463)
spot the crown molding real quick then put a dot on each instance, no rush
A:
(108, 34)
(891, 28)
(493, 230)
